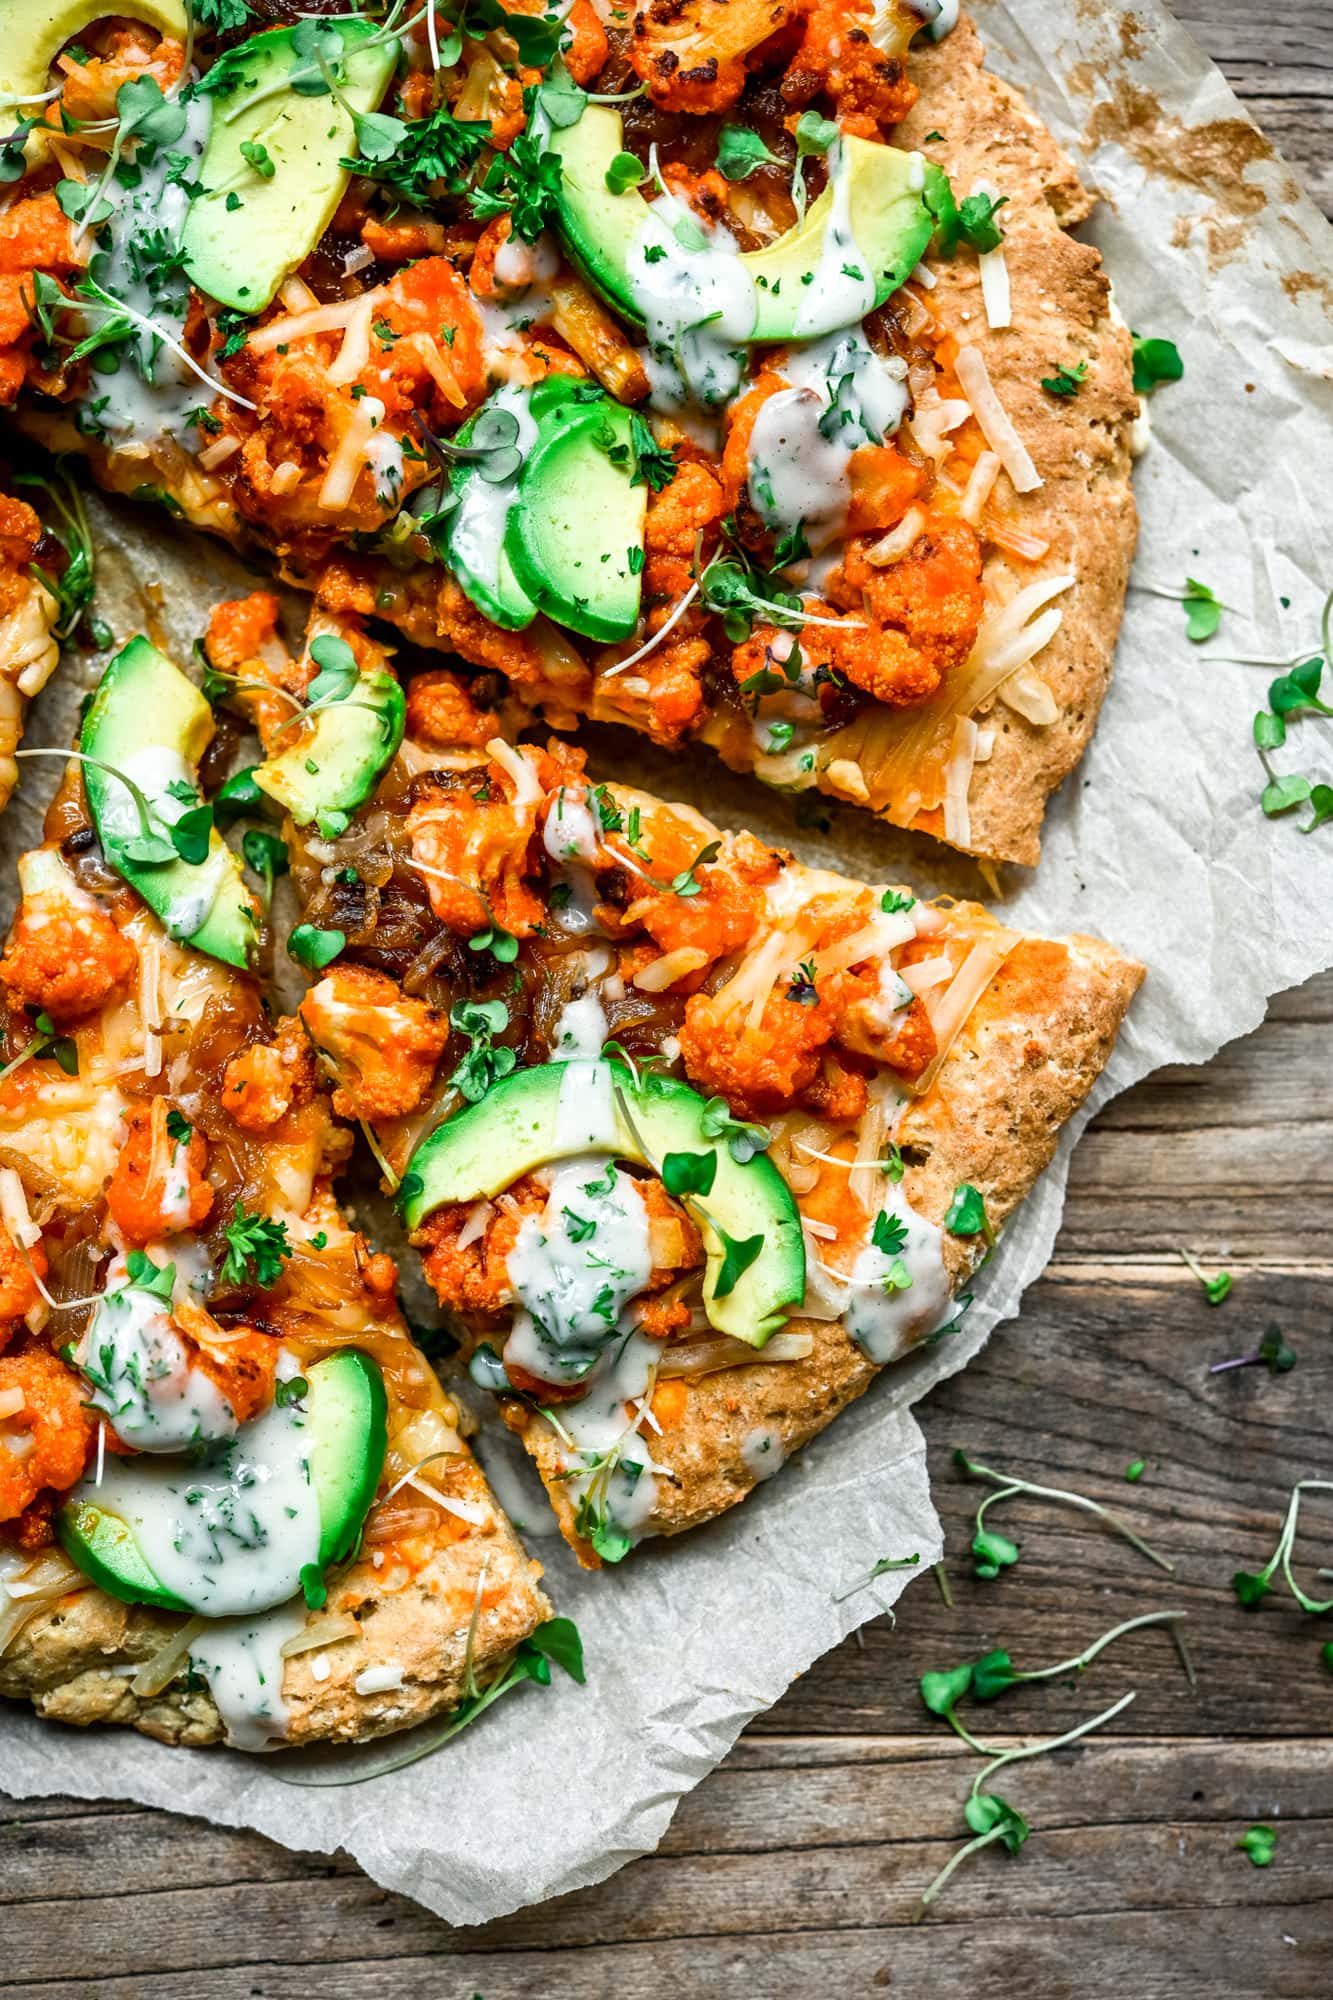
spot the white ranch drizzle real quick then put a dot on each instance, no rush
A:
(601, 1430)
(477, 529)
(940, 16)
(571, 831)
(575, 1268)
(241, 1659)
(142, 1376)
(230, 1534)
(842, 396)
(762, 1451)
(884, 1321)
(121, 403)
(842, 290)
(698, 304)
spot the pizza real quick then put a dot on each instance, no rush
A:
(724, 369)
(692, 1139)
(235, 1500)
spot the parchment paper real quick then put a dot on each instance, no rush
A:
(1157, 842)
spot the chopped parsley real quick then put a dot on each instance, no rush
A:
(256, 1249)
(1065, 381)
(1155, 362)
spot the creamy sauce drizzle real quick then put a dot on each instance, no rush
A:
(229, 1533)
(241, 1659)
(575, 1268)
(883, 1315)
(143, 1380)
(762, 1452)
(477, 528)
(698, 305)
(843, 395)
(140, 389)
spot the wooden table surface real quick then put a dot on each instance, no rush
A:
(795, 1869)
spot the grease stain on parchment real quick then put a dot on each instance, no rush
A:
(1210, 159)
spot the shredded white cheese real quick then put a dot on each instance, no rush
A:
(996, 424)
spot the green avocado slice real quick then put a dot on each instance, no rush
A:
(37, 30)
(263, 209)
(345, 1431)
(560, 1109)
(872, 220)
(333, 763)
(574, 537)
(151, 723)
(474, 538)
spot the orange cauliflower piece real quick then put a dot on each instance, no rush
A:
(473, 852)
(46, 1442)
(383, 1046)
(65, 956)
(869, 87)
(18, 1286)
(441, 712)
(758, 1070)
(158, 1188)
(242, 1366)
(924, 610)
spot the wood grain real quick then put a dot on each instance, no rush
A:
(795, 1869)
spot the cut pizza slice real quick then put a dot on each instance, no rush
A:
(692, 1138)
(234, 1499)
(811, 444)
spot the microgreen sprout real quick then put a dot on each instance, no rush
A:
(1012, 1485)
(991, 1818)
(46, 1045)
(1272, 1353)
(492, 445)
(73, 588)
(1258, 1842)
(1203, 608)
(1251, 1587)
(880, 1568)
(1217, 1287)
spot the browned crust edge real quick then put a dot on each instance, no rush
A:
(1063, 315)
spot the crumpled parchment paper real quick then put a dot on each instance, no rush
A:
(1157, 842)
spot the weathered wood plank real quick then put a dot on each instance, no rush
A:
(1144, 1825)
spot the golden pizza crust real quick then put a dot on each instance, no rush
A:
(1080, 444)
(70, 1662)
(1032, 1048)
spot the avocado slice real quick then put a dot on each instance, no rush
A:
(148, 721)
(474, 536)
(871, 219)
(336, 1438)
(560, 1109)
(36, 32)
(332, 763)
(241, 254)
(575, 533)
